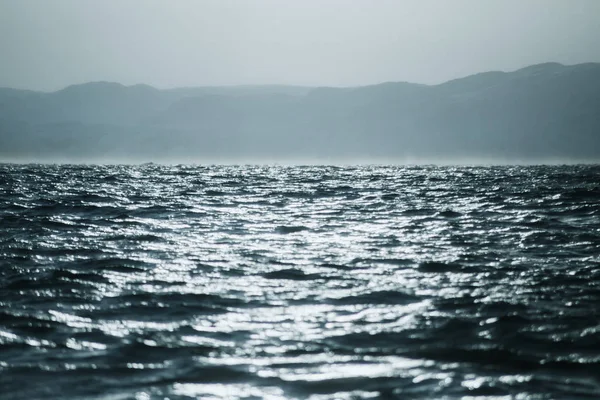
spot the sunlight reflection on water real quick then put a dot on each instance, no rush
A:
(299, 282)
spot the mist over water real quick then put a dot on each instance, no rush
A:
(291, 282)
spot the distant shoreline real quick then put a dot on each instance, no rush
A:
(546, 113)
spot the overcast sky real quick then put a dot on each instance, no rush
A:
(49, 44)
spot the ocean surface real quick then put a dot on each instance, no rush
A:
(272, 282)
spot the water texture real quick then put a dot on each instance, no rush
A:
(222, 282)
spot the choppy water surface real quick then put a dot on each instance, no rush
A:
(148, 282)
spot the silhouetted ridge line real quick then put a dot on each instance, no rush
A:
(542, 112)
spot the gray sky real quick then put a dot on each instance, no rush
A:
(49, 44)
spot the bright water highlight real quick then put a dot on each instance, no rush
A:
(153, 282)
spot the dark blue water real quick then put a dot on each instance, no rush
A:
(154, 282)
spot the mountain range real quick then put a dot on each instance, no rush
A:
(538, 113)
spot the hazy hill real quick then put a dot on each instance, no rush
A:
(542, 112)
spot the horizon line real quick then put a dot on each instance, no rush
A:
(299, 86)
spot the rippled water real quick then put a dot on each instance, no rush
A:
(146, 282)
